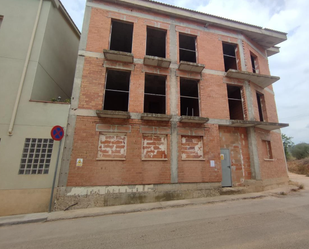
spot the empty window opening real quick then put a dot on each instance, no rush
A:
(156, 42)
(1, 18)
(235, 102)
(189, 97)
(267, 151)
(229, 56)
(261, 106)
(121, 37)
(187, 48)
(117, 90)
(254, 63)
(154, 98)
(36, 156)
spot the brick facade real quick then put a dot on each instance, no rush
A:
(118, 151)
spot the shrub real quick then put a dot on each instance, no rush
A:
(300, 151)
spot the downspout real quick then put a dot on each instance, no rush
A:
(22, 80)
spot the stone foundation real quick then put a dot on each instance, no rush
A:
(89, 197)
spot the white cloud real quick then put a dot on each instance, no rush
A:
(291, 64)
(76, 10)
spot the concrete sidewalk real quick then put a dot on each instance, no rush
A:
(92, 212)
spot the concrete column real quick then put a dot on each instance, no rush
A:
(250, 109)
(242, 55)
(254, 157)
(253, 150)
(68, 144)
(174, 96)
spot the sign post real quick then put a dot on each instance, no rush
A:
(57, 134)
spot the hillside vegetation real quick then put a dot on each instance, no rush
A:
(299, 166)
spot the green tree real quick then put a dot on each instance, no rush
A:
(287, 144)
(300, 151)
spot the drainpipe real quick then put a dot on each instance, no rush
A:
(22, 80)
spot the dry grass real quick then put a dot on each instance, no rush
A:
(299, 166)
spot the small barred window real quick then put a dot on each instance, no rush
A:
(36, 156)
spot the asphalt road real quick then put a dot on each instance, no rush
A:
(272, 222)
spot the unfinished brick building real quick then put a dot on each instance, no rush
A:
(169, 103)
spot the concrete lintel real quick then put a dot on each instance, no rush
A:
(118, 56)
(118, 65)
(112, 114)
(156, 117)
(193, 119)
(191, 67)
(262, 125)
(155, 61)
(261, 80)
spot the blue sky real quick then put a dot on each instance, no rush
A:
(291, 64)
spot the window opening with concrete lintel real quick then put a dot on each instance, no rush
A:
(229, 56)
(121, 36)
(254, 63)
(155, 94)
(156, 42)
(235, 102)
(117, 89)
(267, 151)
(261, 106)
(36, 156)
(187, 48)
(189, 97)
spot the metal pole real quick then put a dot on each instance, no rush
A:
(54, 180)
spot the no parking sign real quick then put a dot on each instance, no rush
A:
(57, 133)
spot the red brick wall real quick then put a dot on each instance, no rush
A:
(270, 104)
(236, 140)
(213, 104)
(276, 167)
(114, 172)
(200, 171)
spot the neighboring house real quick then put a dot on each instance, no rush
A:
(27, 153)
(169, 103)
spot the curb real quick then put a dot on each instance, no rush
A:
(18, 222)
(75, 214)
(131, 208)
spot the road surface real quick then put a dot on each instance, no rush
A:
(272, 222)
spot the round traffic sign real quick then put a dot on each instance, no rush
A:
(57, 133)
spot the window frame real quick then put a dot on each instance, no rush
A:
(195, 45)
(230, 56)
(165, 41)
(198, 96)
(254, 63)
(159, 95)
(234, 99)
(268, 147)
(111, 34)
(104, 96)
(261, 106)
